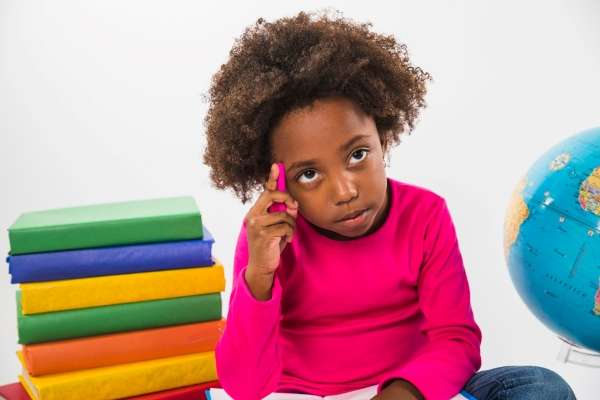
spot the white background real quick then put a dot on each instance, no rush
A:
(101, 101)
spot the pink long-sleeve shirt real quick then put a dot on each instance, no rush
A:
(349, 314)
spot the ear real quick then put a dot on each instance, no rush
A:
(383, 139)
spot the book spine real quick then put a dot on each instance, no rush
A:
(195, 392)
(127, 380)
(13, 391)
(121, 348)
(106, 233)
(116, 318)
(52, 296)
(72, 264)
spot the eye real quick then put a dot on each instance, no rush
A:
(358, 155)
(307, 176)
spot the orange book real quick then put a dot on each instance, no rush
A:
(121, 348)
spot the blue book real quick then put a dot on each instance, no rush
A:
(72, 264)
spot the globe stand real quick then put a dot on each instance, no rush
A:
(571, 353)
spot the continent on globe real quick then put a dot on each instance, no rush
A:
(597, 300)
(560, 161)
(589, 194)
(517, 213)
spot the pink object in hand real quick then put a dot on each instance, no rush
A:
(279, 207)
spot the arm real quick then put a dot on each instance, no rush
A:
(398, 389)
(451, 356)
(247, 354)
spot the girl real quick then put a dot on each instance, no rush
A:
(360, 281)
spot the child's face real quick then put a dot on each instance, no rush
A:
(334, 166)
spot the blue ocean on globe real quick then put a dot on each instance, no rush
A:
(552, 239)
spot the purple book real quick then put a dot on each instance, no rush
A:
(72, 264)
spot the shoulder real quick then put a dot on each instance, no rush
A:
(414, 197)
(423, 211)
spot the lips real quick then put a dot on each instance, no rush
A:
(351, 215)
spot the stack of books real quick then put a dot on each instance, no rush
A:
(116, 300)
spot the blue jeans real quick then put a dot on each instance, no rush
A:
(518, 383)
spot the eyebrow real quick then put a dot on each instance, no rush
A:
(343, 148)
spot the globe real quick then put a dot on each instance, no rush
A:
(552, 239)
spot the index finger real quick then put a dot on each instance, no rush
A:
(268, 198)
(272, 180)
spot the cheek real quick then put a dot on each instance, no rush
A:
(376, 162)
(375, 180)
(310, 206)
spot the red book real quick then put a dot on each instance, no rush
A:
(194, 392)
(14, 391)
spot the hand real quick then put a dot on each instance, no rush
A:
(399, 390)
(268, 234)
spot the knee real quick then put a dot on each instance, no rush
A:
(552, 385)
(519, 382)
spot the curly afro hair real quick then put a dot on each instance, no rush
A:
(275, 68)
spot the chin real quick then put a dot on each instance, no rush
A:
(354, 234)
(332, 229)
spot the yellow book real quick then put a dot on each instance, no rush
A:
(124, 380)
(41, 297)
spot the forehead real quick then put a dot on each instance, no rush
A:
(319, 129)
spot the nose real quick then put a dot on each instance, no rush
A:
(344, 189)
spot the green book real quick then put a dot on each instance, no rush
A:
(94, 321)
(102, 225)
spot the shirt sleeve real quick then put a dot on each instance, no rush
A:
(452, 353)
(247, 354)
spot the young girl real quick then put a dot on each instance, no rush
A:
(360, 282)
